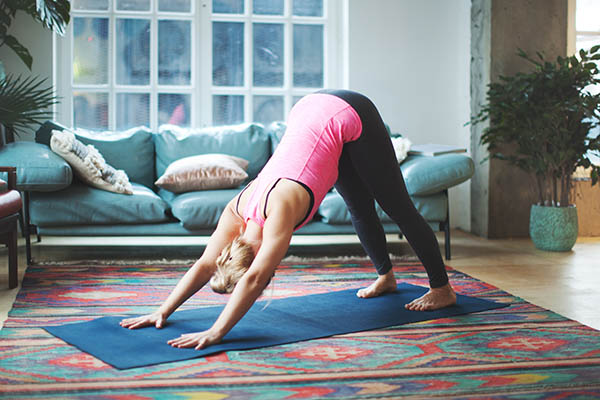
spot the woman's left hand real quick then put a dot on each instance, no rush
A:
(198, 340)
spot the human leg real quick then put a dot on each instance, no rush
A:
(374, 161)
(367, 226)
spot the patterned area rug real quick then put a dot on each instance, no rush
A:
(517, 352)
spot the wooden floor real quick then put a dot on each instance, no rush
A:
(567, 283)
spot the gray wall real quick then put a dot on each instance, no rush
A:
(501, 195)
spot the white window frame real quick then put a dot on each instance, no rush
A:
(202, 88)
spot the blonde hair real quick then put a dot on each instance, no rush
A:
(232, 264)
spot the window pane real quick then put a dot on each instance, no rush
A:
(228, 110)
(133, 109)
(587, 41)
(586, 18)
(90, 110)
(268, 109)
(228, 53)
(308, 55)
(133, 51)
(90, 50)
(133, 5)
(228, 6)
(174, 52)
(90, 4)
(174, 109)
(174, 5)
(268, 7)
(295, 99)
(308, 8)
(268, 55)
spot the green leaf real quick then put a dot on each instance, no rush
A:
(595, 48)
(19, 49)
(54, 14)
(25, 101)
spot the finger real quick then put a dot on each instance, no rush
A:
(183, 343)
(203, 343)
(139, 324)
(189, 342)
(127, 324)
(176, 341)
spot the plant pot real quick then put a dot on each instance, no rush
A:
(553, 228)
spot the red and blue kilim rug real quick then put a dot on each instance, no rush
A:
(517, 352)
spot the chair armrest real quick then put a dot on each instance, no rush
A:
(38, 168)
(12, 176)
(426, 175)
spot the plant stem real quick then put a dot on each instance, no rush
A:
(554, 191)
(540, 187)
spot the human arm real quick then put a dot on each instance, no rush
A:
(277, 233)
(197, 276)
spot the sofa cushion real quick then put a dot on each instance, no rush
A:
(81, 204)
(333, 210)
(275, 130)
(204, 172)
(201, 209)
(248, 141)
(38, 168)
(131, 150)
(427, 175)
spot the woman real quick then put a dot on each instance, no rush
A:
(333, 137)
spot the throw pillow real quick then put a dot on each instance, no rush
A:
(401, 147)
(203, 172)
(88, 164)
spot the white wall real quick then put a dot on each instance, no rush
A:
(412, 59)
(38, 41)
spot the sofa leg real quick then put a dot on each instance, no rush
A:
(27, 227)
(13, 276)
(447, 240)
(446, 226)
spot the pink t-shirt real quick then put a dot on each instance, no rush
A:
(309, 152)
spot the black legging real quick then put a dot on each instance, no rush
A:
(369, 171)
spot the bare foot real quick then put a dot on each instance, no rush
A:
(384, 284)
(434, 299)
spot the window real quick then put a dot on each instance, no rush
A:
(587, 26)
(125, 63)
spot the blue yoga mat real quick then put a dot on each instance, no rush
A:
(283, 321)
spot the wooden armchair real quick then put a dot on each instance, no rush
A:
(10, 207)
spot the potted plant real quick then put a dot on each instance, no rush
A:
(540, 121)
(25, 101)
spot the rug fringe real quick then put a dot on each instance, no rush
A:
(345, 258)
(165, 261)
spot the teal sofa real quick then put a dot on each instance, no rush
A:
(58, 204)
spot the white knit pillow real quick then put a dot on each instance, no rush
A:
(401, 147)
(88, 164)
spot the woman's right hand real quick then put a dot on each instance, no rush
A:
(156, 318)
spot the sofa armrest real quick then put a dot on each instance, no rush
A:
(428, 175)
(38, 167)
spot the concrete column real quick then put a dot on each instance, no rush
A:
(502, 194)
